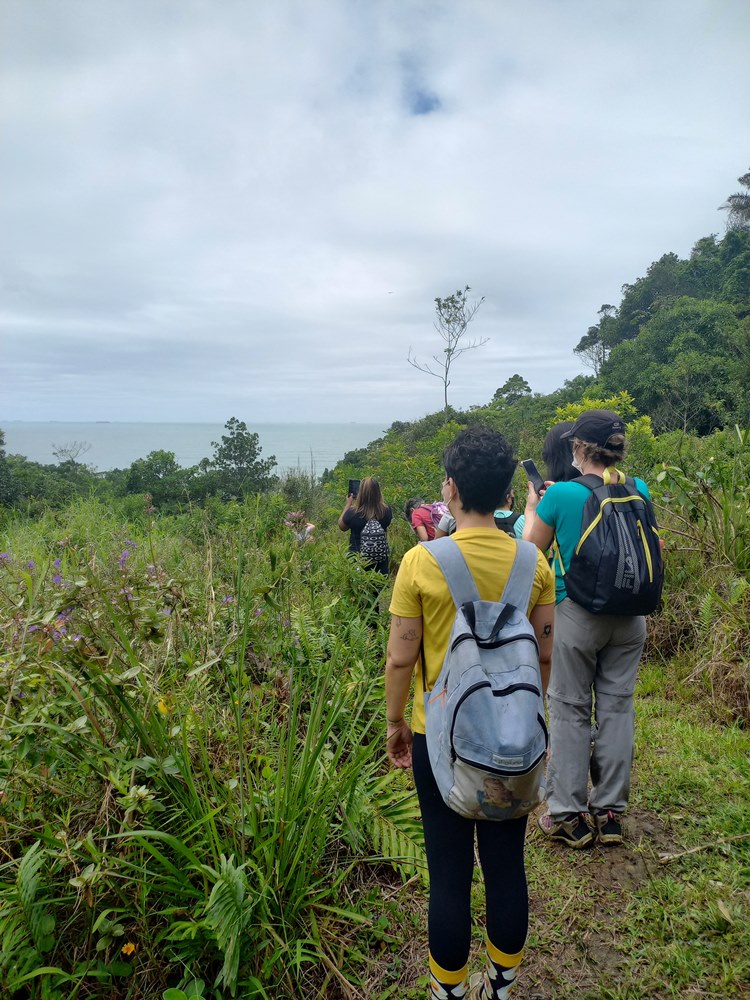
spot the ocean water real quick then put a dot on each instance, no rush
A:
(312, 447)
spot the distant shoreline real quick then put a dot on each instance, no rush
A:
(112, 445)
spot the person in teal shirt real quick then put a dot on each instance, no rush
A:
(594, 661)
(505, 511)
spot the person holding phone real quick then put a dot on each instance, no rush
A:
(596, 657)
(360, 511)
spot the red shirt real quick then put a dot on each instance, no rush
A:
(422, 516)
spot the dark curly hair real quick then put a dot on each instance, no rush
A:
(482, 464)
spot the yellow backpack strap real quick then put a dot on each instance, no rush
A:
(556, 557)
(607, 476)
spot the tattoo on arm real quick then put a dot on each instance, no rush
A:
(396, 621)
(410, 636)
(547, 630)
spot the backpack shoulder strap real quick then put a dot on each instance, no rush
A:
(461, 584)
(521, 580)
(633, 485)
(590, 481)
(449, 558)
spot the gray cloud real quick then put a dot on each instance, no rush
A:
(249, 208)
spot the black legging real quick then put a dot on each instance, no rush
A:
(449, 839)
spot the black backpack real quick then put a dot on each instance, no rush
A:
(616, 568)
(506, 523)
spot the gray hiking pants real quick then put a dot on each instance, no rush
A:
(599, 655)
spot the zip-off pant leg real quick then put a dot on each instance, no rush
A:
(596, 654)
(614, 687)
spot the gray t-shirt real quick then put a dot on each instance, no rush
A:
(447, 524)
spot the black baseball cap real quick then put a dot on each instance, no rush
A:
(596, 427)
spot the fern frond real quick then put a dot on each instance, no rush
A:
(39, 921)
(737, 590)
(397, 832)
(227, 914)
(706, 611)
(27, 877)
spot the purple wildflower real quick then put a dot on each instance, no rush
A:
(151, 570)
(57, 563)
(227, 599)
(5, 557)
(258, 612)
(130, 545)
(166, 611)
(30, 564)
(123, 558)
(126, 593)
(57, 579)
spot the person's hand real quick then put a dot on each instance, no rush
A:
(398, 743)
(349, 501)
(532, 498)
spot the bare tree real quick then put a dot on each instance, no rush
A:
(452, 316)
(71, 451)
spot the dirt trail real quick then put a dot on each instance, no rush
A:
(582, 954)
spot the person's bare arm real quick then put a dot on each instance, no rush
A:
(542, 620)
(535, 529)
(422, 533)
(342, 523)
(403, 650)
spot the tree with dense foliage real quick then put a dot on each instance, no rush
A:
(594, 346)
(514, 388)
(160, 475)
(452, 317)
(737, 206)
(8, 489)
(687, 368)
(237, 463)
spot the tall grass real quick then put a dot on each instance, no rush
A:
(192, 770)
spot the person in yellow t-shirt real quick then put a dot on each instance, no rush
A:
(479, 466)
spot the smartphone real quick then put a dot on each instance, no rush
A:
(534, 475)
(354, 487)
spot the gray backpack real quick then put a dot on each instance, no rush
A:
(486, 734)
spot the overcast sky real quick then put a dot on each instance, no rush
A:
(213, 208)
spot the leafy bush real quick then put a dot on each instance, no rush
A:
(705, 511)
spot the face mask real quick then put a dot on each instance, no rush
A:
(576, 465)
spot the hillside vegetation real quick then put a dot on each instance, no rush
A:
(194, 798)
